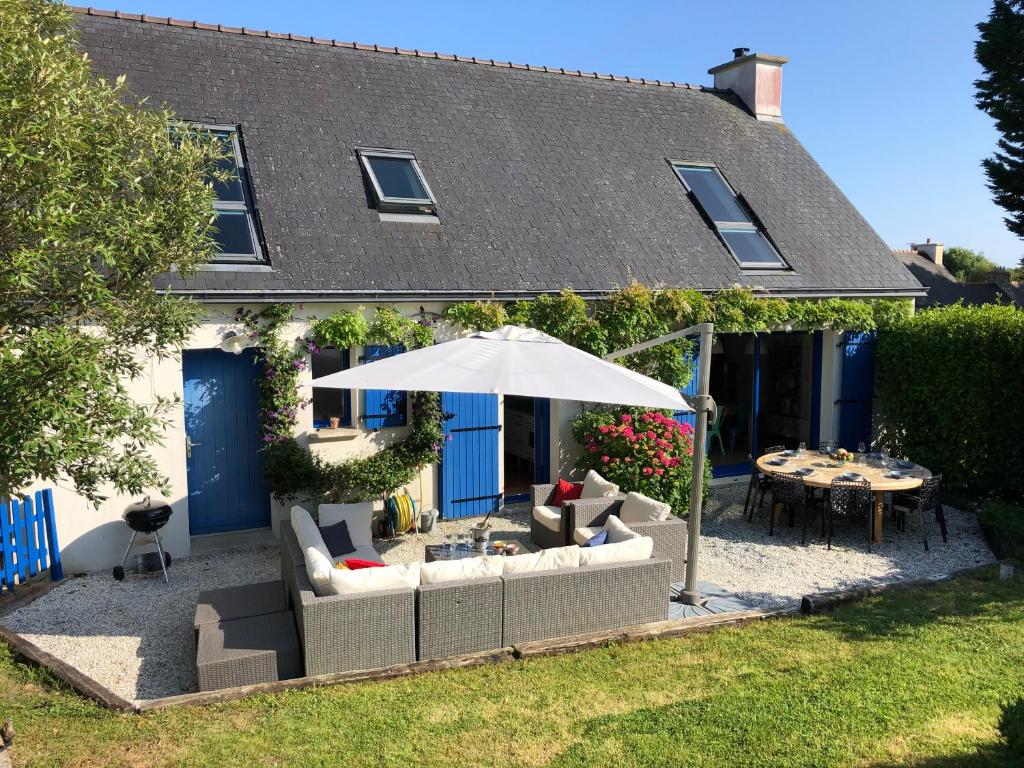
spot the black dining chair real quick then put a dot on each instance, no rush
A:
(759, 483)
(924, 498)
(788, 491)
(851, 499)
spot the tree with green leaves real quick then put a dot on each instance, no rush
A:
(1000, 51)
(966, 265)
(97, 198)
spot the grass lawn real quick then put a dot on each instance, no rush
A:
(910, 678)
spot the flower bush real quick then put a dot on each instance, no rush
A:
(643, 451)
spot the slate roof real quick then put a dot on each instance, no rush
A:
(944, 288)
(542, 180)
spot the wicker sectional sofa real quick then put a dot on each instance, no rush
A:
(343, 633)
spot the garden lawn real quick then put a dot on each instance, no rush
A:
(909, 678)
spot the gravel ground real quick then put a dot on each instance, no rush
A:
(135, 636)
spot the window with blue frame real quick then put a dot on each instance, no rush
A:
(383, 408)
(731, 217)
(329, 403)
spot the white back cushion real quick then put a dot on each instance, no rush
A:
(639, 548)
(596, 487)
(545, 560)
(441, 571)
(617, 531)
(637, 508)
(344, 582)
(317, 559)
(358, 516)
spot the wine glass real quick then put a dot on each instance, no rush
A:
(862, 453)
(449, 544)
(884, 456)
(802, 448)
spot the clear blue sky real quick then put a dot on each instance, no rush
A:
(880, 92)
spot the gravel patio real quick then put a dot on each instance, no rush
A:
(135, 637)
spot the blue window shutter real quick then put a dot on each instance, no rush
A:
(856, 389)
(689, 417)
(383, 408)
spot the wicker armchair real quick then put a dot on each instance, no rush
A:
(541, 535)
(788, 491)
(850, 498)
(759, 485)
(670, 536)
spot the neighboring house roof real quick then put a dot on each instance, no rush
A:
(542, 180)
(944, 288)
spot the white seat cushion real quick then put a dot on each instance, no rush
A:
(618, 531)
(596, 487)
(637, 508)
(639, 548)
(317, 558)
(545, 560)
(549, 517)
(358, 516)
(441, 571)
(343, 582)
(582, 535)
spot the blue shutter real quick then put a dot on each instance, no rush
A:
(383, 408)
(469, 482)
(857, 389)
(541, 440)
(689, 417)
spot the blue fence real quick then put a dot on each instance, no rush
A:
(28, 539)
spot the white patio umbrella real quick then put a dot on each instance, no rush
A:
(510, 361)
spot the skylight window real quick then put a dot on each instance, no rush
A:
(732, 219)
(235, 222)
(397, 182)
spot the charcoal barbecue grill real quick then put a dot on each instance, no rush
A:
(146, 517)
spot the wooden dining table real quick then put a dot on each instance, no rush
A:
(824, 470)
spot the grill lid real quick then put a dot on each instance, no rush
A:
(148, 513)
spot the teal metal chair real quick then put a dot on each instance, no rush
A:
(715, 430)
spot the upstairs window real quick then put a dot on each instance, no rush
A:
(732, 219)
(235, 228)
(397, 182)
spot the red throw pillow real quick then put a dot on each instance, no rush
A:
(566, 491)
(354, 564)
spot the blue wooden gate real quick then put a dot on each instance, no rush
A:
(856, 389)
(226, 488)
(28, 539)
(469, 482)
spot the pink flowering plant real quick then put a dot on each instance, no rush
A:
(644, 451)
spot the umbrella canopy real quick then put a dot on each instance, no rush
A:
(510, 361)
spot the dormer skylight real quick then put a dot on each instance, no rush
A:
(731, 217)
(397, 182)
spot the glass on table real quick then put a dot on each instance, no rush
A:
(802, 448)
(862, 453)
(449, 545)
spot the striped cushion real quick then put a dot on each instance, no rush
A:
(402, 508)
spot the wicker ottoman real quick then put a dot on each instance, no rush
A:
(241, 602)
(258, 649)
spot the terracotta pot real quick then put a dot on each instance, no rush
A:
(335, 422)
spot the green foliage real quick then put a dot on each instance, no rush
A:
(96, 201)
(389, 327)
(342, 330)
(966, 265)
(948, 384)
(1011, 727)
(476, 315)
(640, 450)
(1004, 522)
(1000, 94)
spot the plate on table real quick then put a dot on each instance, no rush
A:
(827, 465)
(904, 465)
(851, 476)
(803, 472)
(897, 475)
(789, 453)
(776, 462)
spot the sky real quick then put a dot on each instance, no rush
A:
(880, 93)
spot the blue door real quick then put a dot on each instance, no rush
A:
(541, 440)
(226, 489)
(469, 463)
(856, 389)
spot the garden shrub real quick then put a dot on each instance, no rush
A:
(1011, 726)
(950, 394)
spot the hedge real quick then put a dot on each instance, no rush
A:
(950, 395)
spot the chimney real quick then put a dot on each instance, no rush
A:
(931, 251)
(757, 79)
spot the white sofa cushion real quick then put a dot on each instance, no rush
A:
(549, 517)
(596, 487)
(465, 568)
(639, 548)
(344, 582)
(582, 535)
(637, 508)
(318, 560)
(545, 560)
(618, 531)
(358, 516)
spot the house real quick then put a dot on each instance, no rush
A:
(924, 260)
(372, 176)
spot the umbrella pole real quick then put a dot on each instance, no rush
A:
(702, 403)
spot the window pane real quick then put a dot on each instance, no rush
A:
(328, 402)
(397, 177)
(717, 200)
(751, 248)
(230, 190)
(233, 233)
